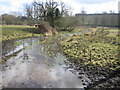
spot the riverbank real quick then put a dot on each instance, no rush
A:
(97, 53)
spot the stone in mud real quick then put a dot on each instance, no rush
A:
(80, 77)
(84, 83)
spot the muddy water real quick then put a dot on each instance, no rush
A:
(40, 66)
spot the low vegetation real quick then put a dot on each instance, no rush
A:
(97, 53)
(93, 49)
(16, 31)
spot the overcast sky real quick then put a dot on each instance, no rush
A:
(90, 6)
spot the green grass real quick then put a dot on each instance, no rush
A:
(18, 31)
(100, 49)
(113, 33)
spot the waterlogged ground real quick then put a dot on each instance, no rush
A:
(40, 65)
(55, 62)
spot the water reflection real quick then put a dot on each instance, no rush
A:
(11, 46)
(45, 72)
(40, 65)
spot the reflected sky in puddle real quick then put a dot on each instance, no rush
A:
(39, 66)
(12, 46)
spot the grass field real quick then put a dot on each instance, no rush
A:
(17, 31)
(97, 49)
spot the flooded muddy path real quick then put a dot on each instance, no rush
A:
(40, 65)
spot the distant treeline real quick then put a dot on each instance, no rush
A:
(8, 19)
(110, 20)
(107, 20)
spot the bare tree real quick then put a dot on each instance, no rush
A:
(49, 11)
(29, 11)
(64, 9)
(83, 12)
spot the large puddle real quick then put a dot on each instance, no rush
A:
(40, 65)
(11, 46)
